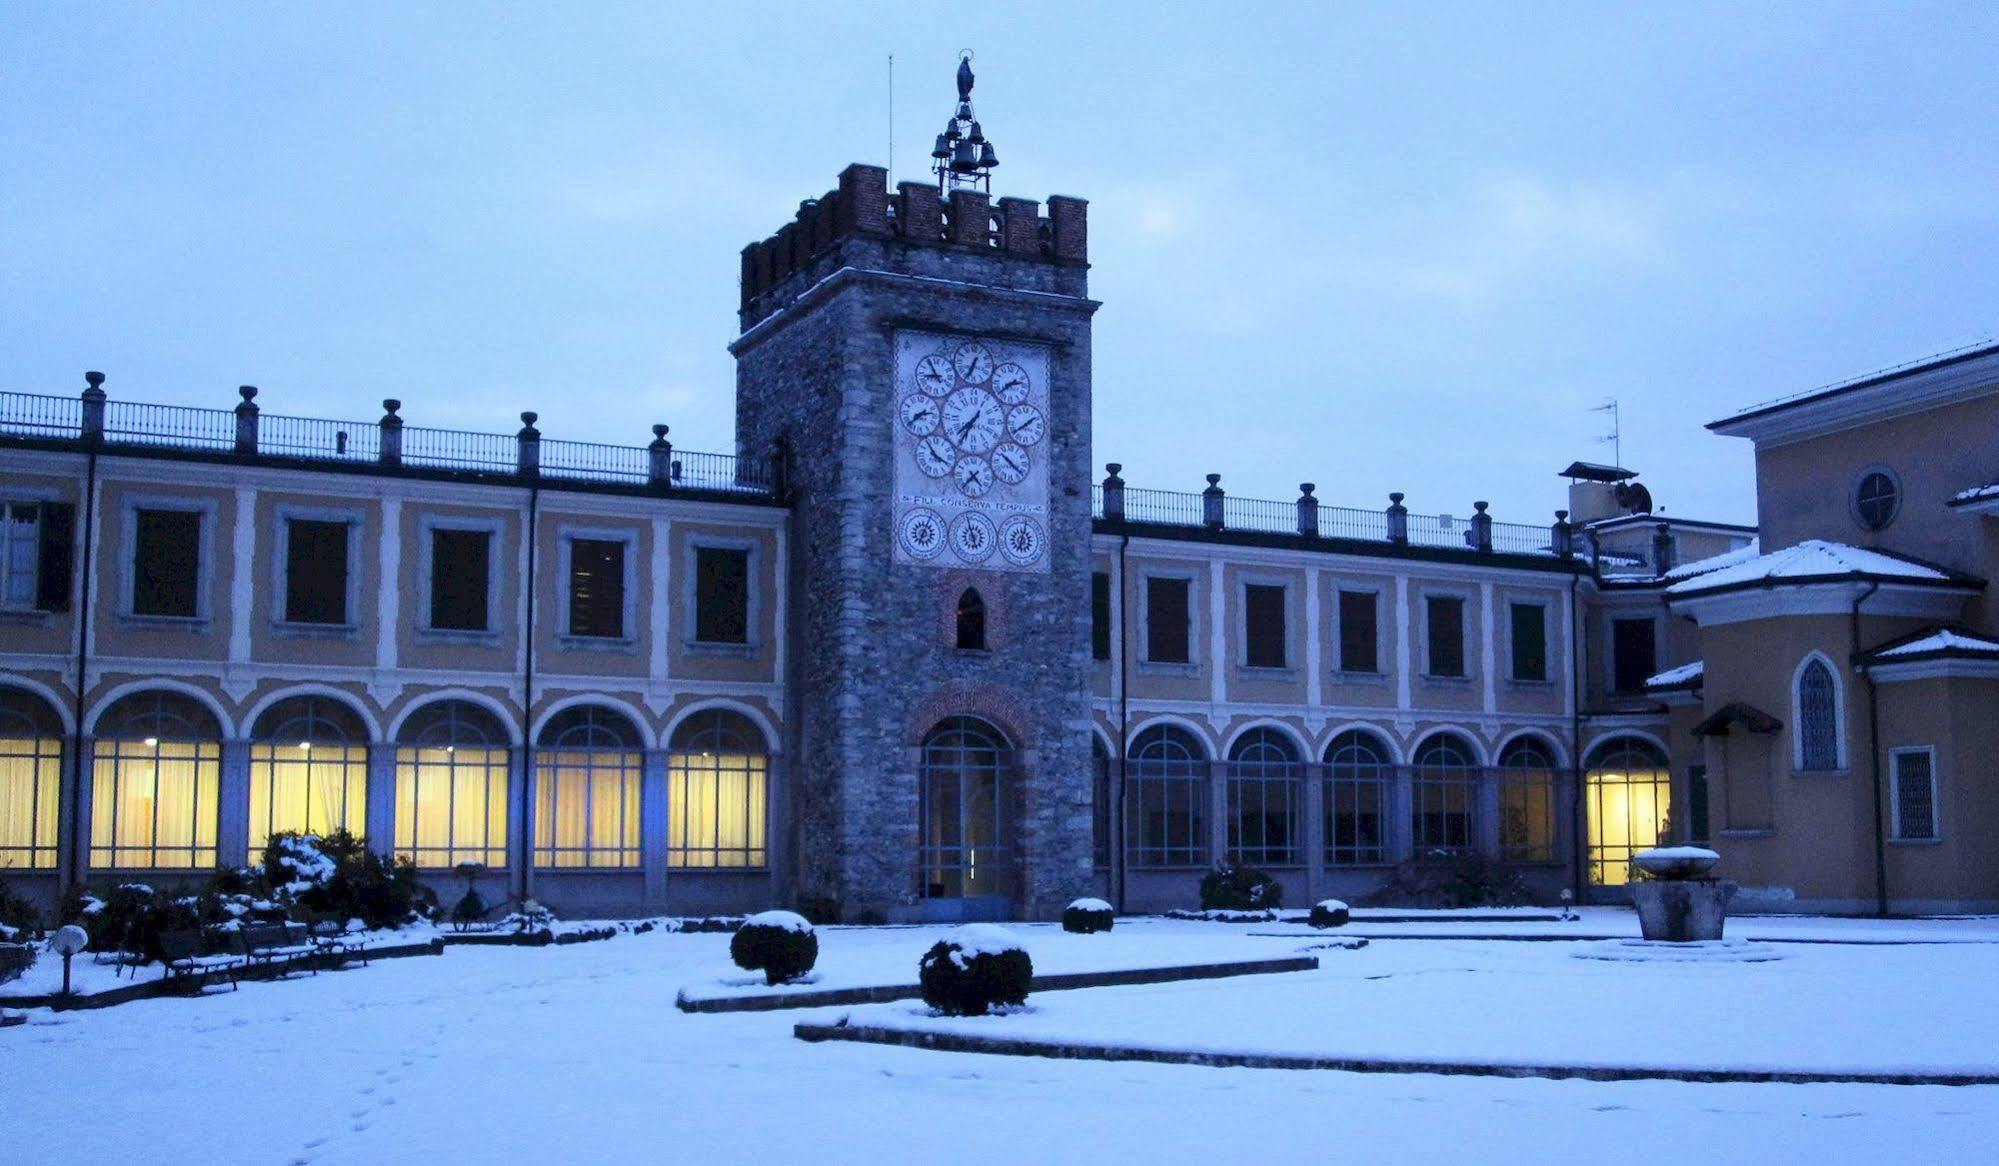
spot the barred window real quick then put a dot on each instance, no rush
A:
(155, 775)
(716, 792)
(451, 787)
(587, 774)
(1444, 793)
(308, 770)
(1818, 717)
(1915, 789)
(1166, 792)
(1527, 801)
(1264, 793)
(31, 741)
(1358, 775)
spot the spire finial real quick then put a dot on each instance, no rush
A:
(964, 159)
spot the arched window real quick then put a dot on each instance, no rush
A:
(1166, 795)
(30, 774)
(1264, 793)
(1818, 717)
(155, 771)
(717, 792)
(961, 811)
(452, 786)
(308, 770)
(1444, 794)
(1527, 801)
(972, 621)
(1358, 775)
(1628, 791)
(586, 789)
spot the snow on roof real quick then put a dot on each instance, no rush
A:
(1716, 562)
(1942, 640)
(1977, 493)
(1675, 677)
(1814, 559)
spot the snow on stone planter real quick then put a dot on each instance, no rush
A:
(1329, 913)
(1085, 916)
(780, 944)
(1676, 900)
(975, 969)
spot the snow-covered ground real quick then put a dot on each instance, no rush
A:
(577, 1054)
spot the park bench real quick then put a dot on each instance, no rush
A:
(189, 967)
(280, 946)
(329, 935)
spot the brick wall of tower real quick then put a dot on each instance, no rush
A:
(872, 667)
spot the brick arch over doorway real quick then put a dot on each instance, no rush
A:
(985, 701)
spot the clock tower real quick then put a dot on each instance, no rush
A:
(923, 357)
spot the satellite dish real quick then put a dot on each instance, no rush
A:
(69, 940)
(1634, 498)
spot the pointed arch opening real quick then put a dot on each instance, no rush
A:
(971, 621)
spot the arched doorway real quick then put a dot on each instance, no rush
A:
(1629, 790)
(965, 869)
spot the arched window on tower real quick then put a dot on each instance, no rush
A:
(971, 621)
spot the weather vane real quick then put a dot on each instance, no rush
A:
(964, 158)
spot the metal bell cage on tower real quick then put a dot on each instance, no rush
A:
(964, 159)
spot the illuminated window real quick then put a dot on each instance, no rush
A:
(717, 792)
(1264, 793)
(30, 774)
(1629, 794)
(1444, 792)
(1166, 796)
(451, 787)
(1527, 801)
(1357, 785)
(154, 777)
(586, 790)
(308, 770)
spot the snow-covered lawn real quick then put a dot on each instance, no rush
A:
(577, 1054)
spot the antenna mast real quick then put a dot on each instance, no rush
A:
(1616, 435)
(891, 121)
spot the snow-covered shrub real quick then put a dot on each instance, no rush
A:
(17, 913)
(1240, 888)
(532, 916)
(130, 917)
(1085, 916)
(337, 875)
(1448, 879)
(1222, 915)
(1329, 913)
(974, 969)
(780, 944)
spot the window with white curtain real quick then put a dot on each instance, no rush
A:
(155, 774)
(451, 787)
(308, 770)
(30, 774)
(717, 792)
(587, 773)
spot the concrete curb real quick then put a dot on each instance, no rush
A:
(834, 997)
(1025, 1047)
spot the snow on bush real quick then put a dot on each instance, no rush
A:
(1085, 916)
(780, 944)
(975, 969)
(296, 864)
(1240, 888)
(1329, 913)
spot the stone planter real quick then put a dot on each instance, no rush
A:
(1676, 903)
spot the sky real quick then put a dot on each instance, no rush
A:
(1376, 247)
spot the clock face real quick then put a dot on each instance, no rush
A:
(921, 533)
(1022, 540)
(920, 414)
(974, 475)
(1025, 424)
(1011, 383)
(973, 536)
(974, 420)
(934, 456)
(933, 375)
(973, 362)
(1011, 463)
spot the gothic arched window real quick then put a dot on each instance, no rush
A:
(972, 621)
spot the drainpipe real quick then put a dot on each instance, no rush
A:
(526, 865)
(1118, 871)
(1873, 758)
(72, 872)
(1578, 828)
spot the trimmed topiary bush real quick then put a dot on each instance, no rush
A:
(1085, 916)
(1329, 913)
(975, 969)
(1240, 888)
(780, 944)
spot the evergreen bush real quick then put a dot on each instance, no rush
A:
(1087, 916)
(975, 969)
(1329, 913)
(780, 944)
(1240, 888)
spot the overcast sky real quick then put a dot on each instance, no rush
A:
(1376, 247)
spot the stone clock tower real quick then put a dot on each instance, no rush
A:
(924, 357)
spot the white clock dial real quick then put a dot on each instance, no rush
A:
(1011, 383)
(1024, 424)
(973, 474)
(934, 456)
(973, 536)
(1010, 462)
(933, 375)
(973, 362)
(973, 420)
(920, 414)
(922, 533)
(1021, 540)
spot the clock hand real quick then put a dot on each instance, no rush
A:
(967, 427)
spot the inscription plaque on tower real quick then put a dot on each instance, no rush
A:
(971, 452)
